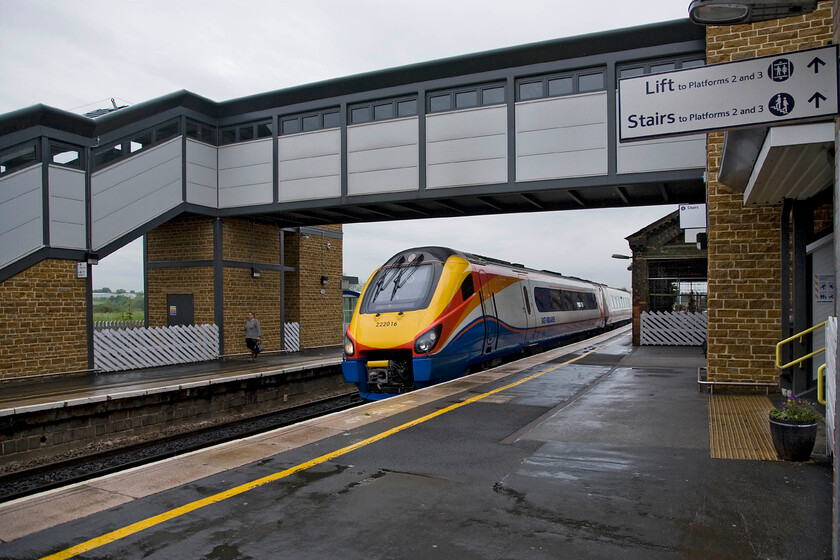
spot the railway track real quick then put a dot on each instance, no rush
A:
(64, 473)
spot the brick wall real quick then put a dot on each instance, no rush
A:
(44, 327)
(321, 313)
(744, 242)
(181, 239)
(248, 243)
(197, 281)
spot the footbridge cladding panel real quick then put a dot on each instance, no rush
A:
(528, 128)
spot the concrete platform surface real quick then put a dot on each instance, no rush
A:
(31, 391)
(596, 451)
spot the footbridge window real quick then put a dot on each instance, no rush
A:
(310, 121)
(137, 142)
(245, 132)
(466, 98)
(659, 66)
(17, 158)
(66, 155)
(383, 110)
(557, 85)
(201, 132)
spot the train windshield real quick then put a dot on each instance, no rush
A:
(401, 287)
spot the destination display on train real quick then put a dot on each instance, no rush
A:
(759, 91)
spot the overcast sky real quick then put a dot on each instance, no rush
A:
(77, 55)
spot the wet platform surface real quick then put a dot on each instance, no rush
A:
(569, 454)
(49, 389)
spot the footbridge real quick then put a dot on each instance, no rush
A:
(527, 128)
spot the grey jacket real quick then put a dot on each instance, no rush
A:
(252, 328)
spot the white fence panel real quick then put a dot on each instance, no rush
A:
(118, 349)
(672, 329)
(830, 382)
(291, 337)
(123, 349)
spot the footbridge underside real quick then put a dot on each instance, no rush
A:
(521, 129)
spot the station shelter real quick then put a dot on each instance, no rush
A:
(669, 268)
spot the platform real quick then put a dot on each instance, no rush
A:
(65, 390)
(597, 450)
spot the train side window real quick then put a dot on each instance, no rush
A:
(527, 301)
(467, 288)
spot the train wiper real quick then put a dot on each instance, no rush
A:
(385, 279)
(412, 266)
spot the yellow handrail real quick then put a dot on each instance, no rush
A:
(794, 337)
(821, 385)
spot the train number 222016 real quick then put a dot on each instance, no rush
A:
(386, 324)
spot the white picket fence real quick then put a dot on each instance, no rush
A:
(672, 329)
(136, 348)
(122, 349)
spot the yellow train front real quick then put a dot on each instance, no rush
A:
(397, 338)
(430, 314)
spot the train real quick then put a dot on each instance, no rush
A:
(432, 314)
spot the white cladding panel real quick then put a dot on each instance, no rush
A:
(21, 214)
(561, 137)
(309, 165)
(245, 174)
(128, 194)
(682, 152)
(466, 147)
(202, 174)
(383, 157)
(67, 208)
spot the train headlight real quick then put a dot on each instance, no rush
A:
(428, 340)
(349, 347)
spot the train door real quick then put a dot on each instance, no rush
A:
(527, 311)
(488, 309)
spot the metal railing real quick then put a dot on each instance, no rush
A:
(791, 339)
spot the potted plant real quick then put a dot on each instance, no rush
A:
(793, 427)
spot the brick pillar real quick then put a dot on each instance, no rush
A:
(744, 242)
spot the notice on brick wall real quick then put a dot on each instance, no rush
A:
(824, 288)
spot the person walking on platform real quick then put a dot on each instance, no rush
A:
(252, 336)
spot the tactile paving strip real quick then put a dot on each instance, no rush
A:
(738, 427)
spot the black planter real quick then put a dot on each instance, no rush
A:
(793, 440)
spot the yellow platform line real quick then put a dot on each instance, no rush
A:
(235, 491)
(738, 427)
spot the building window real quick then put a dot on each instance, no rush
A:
(309, 122)
(660, 65)
(466, 98)
(556, 85)
(18, 158)
(383, 110)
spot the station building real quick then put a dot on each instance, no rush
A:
(239, 201)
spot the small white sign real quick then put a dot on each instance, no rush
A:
(758, 91)
(81, 270)
(824, 288)
(692, 216)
